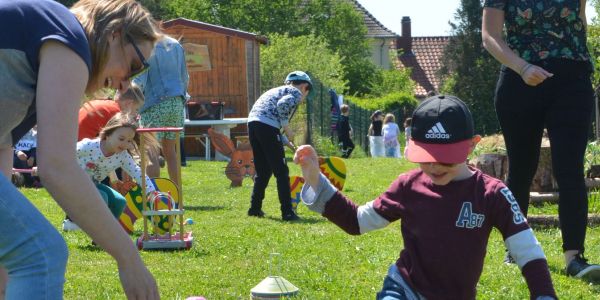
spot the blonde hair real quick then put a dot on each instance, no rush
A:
(101, 18)
(389, 118)
(344, 108)
(133, 93)
(121, 120)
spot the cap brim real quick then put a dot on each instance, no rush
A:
(455, 153)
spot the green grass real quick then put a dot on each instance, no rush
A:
(231, 251)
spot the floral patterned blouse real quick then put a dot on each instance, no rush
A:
(541, 29)
(92, 160)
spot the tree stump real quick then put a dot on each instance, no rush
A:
(544, 181)
(493, 164)
(496, 165)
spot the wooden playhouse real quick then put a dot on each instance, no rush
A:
(223, 65)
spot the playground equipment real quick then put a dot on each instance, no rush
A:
(163, 205)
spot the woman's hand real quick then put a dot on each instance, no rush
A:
(137, 281)
(534, 75)
(306, 157)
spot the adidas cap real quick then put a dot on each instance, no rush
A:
(441, 131)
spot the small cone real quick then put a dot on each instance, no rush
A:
(273, 287)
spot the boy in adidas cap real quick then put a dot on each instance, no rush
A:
(447, 208)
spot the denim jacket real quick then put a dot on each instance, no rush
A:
(167, 76)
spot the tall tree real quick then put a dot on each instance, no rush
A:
(470, 72)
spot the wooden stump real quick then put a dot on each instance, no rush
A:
(493, 164)
(544, 181)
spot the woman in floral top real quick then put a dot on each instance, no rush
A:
(545, 82)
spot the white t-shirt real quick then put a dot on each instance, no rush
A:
(390, 133)
(92, 160)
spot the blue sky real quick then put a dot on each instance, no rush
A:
(428, 17)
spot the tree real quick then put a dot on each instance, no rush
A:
(469, 71)
(307, 52)
(344, 29)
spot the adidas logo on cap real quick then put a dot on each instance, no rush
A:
(437, 132)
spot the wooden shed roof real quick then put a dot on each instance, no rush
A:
(216, 28)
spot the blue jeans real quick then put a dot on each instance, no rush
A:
(395, 288)
(31, 249)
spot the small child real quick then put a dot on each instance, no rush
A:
(345, 131)
(390, 136)
(24, 157)
(375, 136)
(406, 124)
(447, 208)
(111, 150)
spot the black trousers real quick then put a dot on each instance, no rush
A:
(347, 146)
(562, 104)
(269, 159)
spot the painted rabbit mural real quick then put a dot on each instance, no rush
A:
(241, 159)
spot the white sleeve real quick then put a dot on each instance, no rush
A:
(369, 219)
(524, 247)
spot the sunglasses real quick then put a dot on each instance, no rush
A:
(145, 66)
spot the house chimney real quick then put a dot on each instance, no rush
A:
(404, 42)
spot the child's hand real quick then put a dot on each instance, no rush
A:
(306, 157)
(21, 155)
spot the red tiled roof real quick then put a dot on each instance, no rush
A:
(425, 61)
(374, 28)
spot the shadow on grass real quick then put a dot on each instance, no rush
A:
(301, 221)
(90, 247)
(204, 208)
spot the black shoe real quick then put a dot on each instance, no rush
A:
(579, 268)
(256, 213)
(290, 217)
(508, 259)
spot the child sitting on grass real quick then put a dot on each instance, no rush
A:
(447, 208)
(111, 150)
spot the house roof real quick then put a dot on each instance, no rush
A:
(425, 61)
(374, 27)
(216, 28)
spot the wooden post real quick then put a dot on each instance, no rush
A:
(143, 179)
(180, 187)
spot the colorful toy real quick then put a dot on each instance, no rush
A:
(189, 221)
(170, 239)
(334, 168)
(133, 209)
(241, 163)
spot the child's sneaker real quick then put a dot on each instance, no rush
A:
(579, 268)
(69, 225)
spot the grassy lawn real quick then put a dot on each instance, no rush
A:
(231, 251)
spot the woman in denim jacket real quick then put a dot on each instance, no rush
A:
(165, 89)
